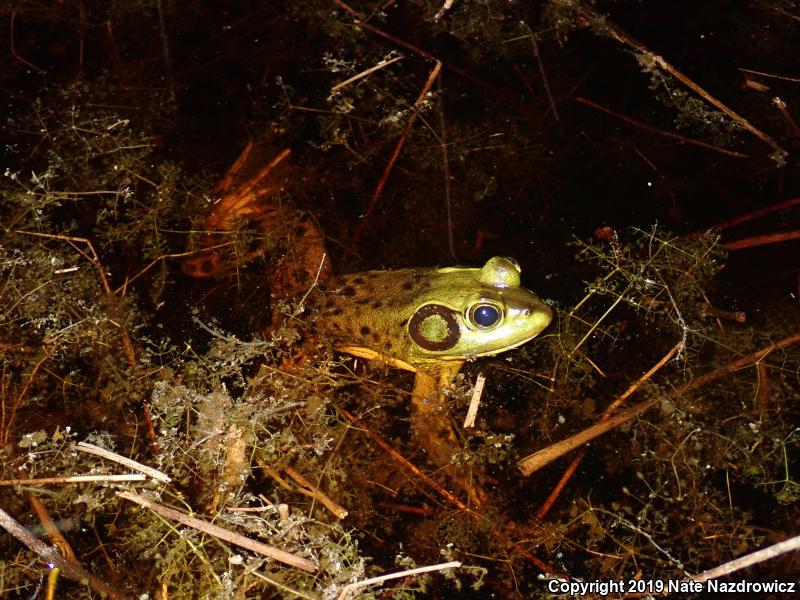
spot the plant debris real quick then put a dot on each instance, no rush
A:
(166, 436)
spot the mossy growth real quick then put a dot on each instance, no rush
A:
(109, 176)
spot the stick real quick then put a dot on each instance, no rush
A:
(790, 545)
(223, 534)
(131, 464)
(763, 240)
(406, 463)
(537, 460)
(753, 214)
(618, 34)
(74, 479)
(309, 489)
(52, 530)
(402, 141)
(359, 18)
(352, 587)
(545, 456)
(54, 559)
(661, 132)
(742, 362)
(372, 69)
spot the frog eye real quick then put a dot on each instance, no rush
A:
(484, 315)
(501, 272)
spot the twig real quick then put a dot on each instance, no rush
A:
(790, 545)
(535, 461)
(347, 590)
(621, 36)
(162, 28)
(274, 474)
(762, 392)
(14, 52)
(74, 479)
(543, 74)
(52, 578)
(706, 310)
(309, 489)
(404, 462)
(448, 4)
(360, 21)
(89, 255)
(668, 134)
(771, 75)
(754, 214)
(475, 401)
(81, 41)
(163, 257)
(612, 408)
(7, 422)
(401, 142)
(127, 462)
(742, 362)
(423, 511)
(372, 69)
(314, 283)
(545, 456)
(251, 509)
(52, 531)
(785, 13)
(54, 559)
(763, 240)
(783, 109)
(446, 174)
(223, 534)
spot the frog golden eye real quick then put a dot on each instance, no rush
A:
(484, 315)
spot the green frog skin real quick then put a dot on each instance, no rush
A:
(418, 319)
(430, 321)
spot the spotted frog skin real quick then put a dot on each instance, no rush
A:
(418, 318)
(431, 321)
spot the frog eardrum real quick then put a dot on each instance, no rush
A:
(434, 327)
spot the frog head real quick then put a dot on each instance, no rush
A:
(468, 313)
(420, 317)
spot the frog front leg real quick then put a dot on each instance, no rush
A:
(431, 422)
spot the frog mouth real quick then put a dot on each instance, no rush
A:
(505, 348)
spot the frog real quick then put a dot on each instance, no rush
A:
(422, 319)
(431, 321)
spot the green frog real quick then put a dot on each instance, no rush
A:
(430, 321)
(417, 319)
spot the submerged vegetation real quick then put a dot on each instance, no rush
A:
(303, 456)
